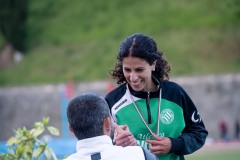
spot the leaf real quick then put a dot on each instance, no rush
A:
(38, 124)
(53, 130)
(53, 154)
(45, 121)
(29, 148)
(20, 150)
(37, 152)
(38, 131)
(11, 141)
(32, 131)
(47, 153)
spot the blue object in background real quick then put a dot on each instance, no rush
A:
(63, 147)
(64, 103)
(3, 147)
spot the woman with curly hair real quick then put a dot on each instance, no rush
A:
(155, 112)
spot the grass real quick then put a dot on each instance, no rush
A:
(80, 40)
(218, 156)
(219, 151)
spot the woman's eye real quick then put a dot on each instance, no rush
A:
(139, 70)
(127, 70)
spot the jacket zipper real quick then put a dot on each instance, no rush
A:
(148, 108)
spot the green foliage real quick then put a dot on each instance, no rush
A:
(80, 39)
(234, 5)
(26, 145)
(13, 16)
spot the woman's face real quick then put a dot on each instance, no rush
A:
(137, 72)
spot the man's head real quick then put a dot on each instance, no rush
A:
(89, 116)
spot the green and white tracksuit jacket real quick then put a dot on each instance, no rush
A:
(179, 118)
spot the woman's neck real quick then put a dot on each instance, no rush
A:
(151, 88)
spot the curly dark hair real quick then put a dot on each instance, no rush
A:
(141, 46)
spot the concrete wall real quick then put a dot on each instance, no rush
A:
(216, 96)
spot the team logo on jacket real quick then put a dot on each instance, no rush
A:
(121, 103)
(196, 117)
(167, 116)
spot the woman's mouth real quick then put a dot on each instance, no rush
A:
(136, 83)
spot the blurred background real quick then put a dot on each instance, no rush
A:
(51, 51)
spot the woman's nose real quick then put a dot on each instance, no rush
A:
(133, 77)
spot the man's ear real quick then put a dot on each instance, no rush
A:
(70, 128)
(107, 126)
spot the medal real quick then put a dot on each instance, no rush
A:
(140, 114)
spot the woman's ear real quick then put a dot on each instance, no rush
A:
(154, 65)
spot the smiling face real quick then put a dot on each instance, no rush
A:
(138, 73)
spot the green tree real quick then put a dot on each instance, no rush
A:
(237, 7)
(13, 16)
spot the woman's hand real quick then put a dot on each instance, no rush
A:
(160, 145)
(123, 137)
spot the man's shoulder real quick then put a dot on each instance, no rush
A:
(120, 153)
(139, 153)
(148, 155)
(123, 153)
(75, 156)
